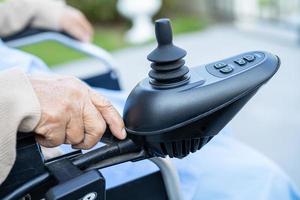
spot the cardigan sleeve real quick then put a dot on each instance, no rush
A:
(17, 14)
(19, 111)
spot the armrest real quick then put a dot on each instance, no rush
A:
(30, 32)
(31, 174)
(31, 36)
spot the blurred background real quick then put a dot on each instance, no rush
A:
(209, 30)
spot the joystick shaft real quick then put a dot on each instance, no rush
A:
(168, 69)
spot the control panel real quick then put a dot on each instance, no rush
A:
(235, 64)
(177, 109)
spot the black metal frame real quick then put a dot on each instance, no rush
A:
(64, 178)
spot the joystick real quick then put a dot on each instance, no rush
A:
(173, 112)
(168, 69)
(177, 110)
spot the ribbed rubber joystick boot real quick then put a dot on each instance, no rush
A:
(167, 65)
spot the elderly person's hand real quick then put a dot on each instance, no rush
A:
(75, 23)
(72, 113)
(15, 15)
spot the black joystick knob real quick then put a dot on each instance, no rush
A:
(168, 68)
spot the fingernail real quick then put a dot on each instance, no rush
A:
(123, 133)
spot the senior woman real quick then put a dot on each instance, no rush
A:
(15, 15)
(58, 109)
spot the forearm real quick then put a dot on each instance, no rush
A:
(19, 110)
(17, 14)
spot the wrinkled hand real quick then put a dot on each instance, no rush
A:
(75, 23)
(72, 113)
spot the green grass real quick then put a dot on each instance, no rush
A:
(53, 53)
(109, 38)
(187, 24)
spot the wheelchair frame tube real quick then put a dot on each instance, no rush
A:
(85, 48)
(170, 177)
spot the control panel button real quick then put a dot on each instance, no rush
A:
(220, 65)
(226, 70)
(235, 64)
(240, 61)
(249, 58)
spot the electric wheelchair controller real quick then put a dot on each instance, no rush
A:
(173, 112)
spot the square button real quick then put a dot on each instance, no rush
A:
(249, 57)
(226, 70)
(220, 65)
(240, 61)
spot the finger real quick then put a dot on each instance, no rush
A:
(82, 27)
(81, 21)
(79, 33)
(51, 135)
(94, 126)
(86, 26)
(110, 115)
(75, 129)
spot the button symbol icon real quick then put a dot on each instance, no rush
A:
(226, 70)
(240, 61)
(249, 58)
(220, 65)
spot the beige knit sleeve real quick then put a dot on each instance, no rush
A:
(17, 14)
(19, 110)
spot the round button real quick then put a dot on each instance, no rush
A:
(220, 65)
(249, 58)
(240, 61)
(226, 70)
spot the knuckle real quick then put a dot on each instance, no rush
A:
(100, 126)
(78, 138)
(75, 138)
(41, 130)
(106, 103)
(76, 89)
(53, 116)
(97, 130)
(49, 138)
(101, 129)
(86, 146)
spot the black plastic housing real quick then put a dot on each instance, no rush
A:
(181, 120)
(89, 185)
(28, 165)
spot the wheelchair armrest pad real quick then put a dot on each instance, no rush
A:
(29, 31)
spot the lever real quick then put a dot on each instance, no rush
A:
(168, 69)
(177, 110)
